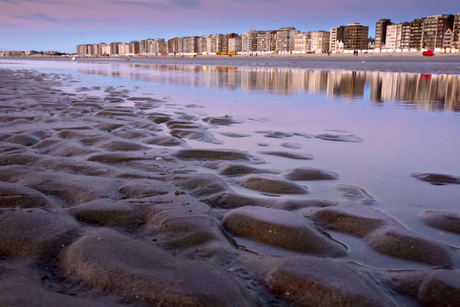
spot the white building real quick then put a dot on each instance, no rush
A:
(336, 38)
(393, 37)
(320, 41)
(235, 44)
(246, 41)
(302, 42)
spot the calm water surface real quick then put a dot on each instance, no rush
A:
(408, 123)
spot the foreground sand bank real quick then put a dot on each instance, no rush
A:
(102, 204)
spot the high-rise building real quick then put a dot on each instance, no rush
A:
(285, 39)
(381, 32)
(263, 41)
(434, 28)
(320, 41)
(190, 44)
(247, 41)
(235, 44)
(405, 35)
(355, 37)
(83, 50)
(416, 33)
(173, 45)
(336, 39)
(216, 43)
(159, 46)
(114, 48)
(456, 32)
(134, 47)
(146, 45)
(302, 42)
(204, 44)
(124, 49)
(393, 37)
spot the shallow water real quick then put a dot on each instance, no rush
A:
(408, 123)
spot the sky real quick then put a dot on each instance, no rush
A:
(60, 25)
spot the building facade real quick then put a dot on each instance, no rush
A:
(393, 37)
(434, 28)
(302, 42)
(285, 39)
(319, 41)
(405, 35)
(134, 47)
(189, 45)
(456, 32)
(381, 33)
(336, 39)
(447, 39)
(235, 44)
(355, 37)
(416, 33)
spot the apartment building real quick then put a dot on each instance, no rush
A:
(355, 37)
(173, 45)
(434, 28)
(145, 45)
(204, 44)
(235, 44)
(416, 33)
(225, 42)
(456, 32)
(159, 46)
(405, 35)
(124, 49)
(189, 45)
(247, 41)
(82, 49)
(381, 33)
(263, 41)
(285, 39)
(302, 42)
(114, 48)
(216, 43)
(319, 41)
(393, 37)
(134, 47)
(336, 39)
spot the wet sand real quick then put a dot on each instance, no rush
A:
(104, 204)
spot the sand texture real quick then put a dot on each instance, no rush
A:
(103, 203)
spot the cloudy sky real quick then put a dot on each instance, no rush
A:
(62, 24)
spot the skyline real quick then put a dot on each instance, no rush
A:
(61, 25)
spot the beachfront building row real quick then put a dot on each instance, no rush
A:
(435, 32)
(284, 40)
(148, 46)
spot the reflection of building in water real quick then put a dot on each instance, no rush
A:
(430, 92)
(348, 84)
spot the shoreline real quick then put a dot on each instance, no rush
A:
(106, 204)
(393, 56)
(398, 63)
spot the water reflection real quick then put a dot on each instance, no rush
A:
(430, 92)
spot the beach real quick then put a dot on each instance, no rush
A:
(113, 196)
